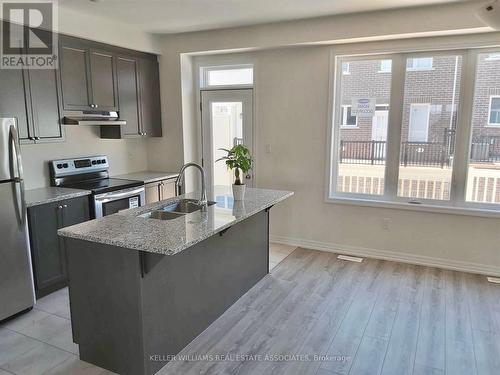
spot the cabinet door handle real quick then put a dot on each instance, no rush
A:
(60, 207)
(145, 133)
(65, 206)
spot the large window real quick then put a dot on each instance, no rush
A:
(483, 172)
(362, 149)
(413, 143)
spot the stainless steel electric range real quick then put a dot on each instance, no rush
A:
(109, 195)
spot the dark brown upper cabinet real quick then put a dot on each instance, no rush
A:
(149, 82)
(33, 97)
(138, 98)
(88, 76)
(128, 95)
(103, 80)
(14, 100)
(45, 104)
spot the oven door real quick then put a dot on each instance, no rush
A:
(110, 203)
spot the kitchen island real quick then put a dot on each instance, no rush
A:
(142, 288)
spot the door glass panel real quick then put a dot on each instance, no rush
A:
(431, 98)
(227, 131)
(483, 179)
(363, 136)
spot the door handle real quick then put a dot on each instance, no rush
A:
(21, 206)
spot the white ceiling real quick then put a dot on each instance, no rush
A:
(174, 16)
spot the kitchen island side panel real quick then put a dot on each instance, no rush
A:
(184, 293)
(130, 309)
(104, 291)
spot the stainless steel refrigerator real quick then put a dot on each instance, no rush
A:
(16, 277)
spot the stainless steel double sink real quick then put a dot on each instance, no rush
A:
(178, 209)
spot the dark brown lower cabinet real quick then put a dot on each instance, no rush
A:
(47, 248)
(160, 190)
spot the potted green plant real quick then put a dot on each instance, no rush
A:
(239, 160)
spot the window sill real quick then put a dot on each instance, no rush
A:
(349, 127)
(492, 126)
(464, 211)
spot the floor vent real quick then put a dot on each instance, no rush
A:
(350, 259)
(495, 280)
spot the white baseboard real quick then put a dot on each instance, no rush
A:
(457, 265)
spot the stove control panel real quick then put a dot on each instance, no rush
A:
(68, 167)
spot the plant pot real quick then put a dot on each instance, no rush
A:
(239, 192)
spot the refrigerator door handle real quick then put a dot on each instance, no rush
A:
(19, 178)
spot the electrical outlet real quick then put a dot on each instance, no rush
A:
(386, 223)
(268, 148)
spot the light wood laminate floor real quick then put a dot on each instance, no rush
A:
(313, 314)
(40, 342)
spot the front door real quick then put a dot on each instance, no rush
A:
(379, 134)
(226, 122)
(419, 123)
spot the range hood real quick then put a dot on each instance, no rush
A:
(92, 118)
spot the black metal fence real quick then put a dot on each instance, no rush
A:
(485, 149)
(424, 154)
(430, 154)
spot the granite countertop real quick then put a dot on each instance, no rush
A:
(45, 195)
(148, 176)
(129, 230)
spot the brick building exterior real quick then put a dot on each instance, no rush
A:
(437, 85)
(430, 103)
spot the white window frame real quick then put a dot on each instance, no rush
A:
(457, 203)
(205, 70)
(346, 71)
(345, 108)
(493, 57)
(492, 124)
(417, 68)
(382, 70)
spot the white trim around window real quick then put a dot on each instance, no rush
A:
(420, 63)
(346, 69)
(493, 124)
(457, 203)
(385, 66)
(205, 72)
(344, 116)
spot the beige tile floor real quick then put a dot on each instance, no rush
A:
(40, 341)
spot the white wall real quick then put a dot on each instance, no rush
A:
(125, 155)
(104, 30)
(291, 99)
